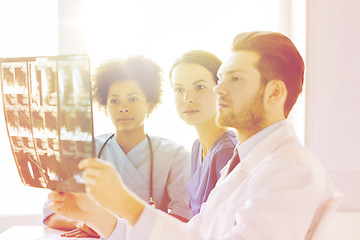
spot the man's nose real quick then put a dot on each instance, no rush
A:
(219, 89)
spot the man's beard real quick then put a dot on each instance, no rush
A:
(249, 120)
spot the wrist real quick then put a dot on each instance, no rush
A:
(130, 208)
(103, 222)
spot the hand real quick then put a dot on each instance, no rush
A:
(77, 206)
(82, 208)
(103, 183)
(82, 231)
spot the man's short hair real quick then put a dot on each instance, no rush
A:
(279, 60)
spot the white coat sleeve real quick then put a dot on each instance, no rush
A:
(275, 209)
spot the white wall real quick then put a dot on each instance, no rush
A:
(333, 99)
(26, 30)
(160, 29)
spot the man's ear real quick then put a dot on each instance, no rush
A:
(275, 91)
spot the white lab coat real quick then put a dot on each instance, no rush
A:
(273, 193)
(171, 171)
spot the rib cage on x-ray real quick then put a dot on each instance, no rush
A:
(48, 113)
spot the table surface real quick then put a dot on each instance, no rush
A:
(34, 233)
(345, 226)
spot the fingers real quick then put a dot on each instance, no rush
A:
(101, 179)
(92, 169)
(76, 233)
(71, 233)
(84, 235)
(57, 201)
(90, 175)
(82, 231)
(85, 163)
(85, 228)
(92, 163)
(56, 196)
(79, 195)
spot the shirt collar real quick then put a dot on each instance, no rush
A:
(245, 148)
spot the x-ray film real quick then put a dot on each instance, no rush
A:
(48, 114)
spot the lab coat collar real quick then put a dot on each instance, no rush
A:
(247, 146)
(265, 146)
